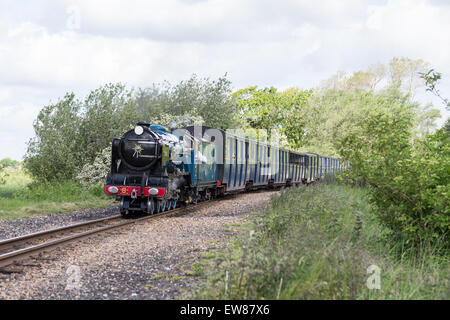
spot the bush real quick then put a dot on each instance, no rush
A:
(409, 180)
(2, 175)
(415, 202)
(95, 174)
(7, 162)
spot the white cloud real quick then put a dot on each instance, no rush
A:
(279, 43)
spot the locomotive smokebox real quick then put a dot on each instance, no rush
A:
(139, 148)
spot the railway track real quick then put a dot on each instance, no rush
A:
(19, 248)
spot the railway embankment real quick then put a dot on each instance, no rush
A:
(321, 242)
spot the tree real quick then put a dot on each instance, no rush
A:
(426, 120)
(259, 108)
(71, 134)
(269, 109)
(196, 97)
(107, 112)
(432, 79)
(401, 73)
(8, 162)
(56, 151)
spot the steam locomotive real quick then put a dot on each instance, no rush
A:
(155, 169)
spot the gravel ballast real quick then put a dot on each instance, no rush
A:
(147, 260)
(19, 227)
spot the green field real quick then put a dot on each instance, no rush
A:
(318, 242)
(20, 197)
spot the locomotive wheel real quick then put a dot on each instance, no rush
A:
(124, 212)
(174, 204)
(157, 206)
(163, 205)
(150, 206)
(169, 205)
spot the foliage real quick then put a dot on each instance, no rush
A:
(196, 98)
(269, 109)
(317, 242)
(179, 121)
(71, 133)
(312, 121)
(446, 126)
(432, 79)
(106, 113)
(16, 180)
(2, 175)
(8, 162)
(400, 73)
(409, 182)
(94, 174)
(55, 152)
(331, 114)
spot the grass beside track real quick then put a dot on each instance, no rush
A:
(318, 242)
(19, 197)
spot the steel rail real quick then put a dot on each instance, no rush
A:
(14, 256)
(55, 230)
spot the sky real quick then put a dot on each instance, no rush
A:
(48, 48)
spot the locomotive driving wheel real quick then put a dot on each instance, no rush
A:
(124, 212)
(150, 206)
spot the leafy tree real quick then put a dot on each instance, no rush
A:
(330, 114)
(106, 113)
(447, 125)
(56, 150)
(426, 120)
(202, 98)
(341, 97)
(71, 134)
(270, 109)
(405, 74)
(259, 108)
(8, 162)
(401, 73)
(432, 79)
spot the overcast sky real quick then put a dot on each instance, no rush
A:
(48, 47)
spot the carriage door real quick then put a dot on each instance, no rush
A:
(246, 165)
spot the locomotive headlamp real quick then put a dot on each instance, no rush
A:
(113, 189)
(139, 130)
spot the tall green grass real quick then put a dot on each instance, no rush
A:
(21, 197)
(317, 242)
